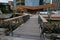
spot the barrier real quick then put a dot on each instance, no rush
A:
(11, 23)
(46, 32)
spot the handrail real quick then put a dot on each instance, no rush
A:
(12, 18)
(14, 22)
(43, 19)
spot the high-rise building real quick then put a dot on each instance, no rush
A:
(20, 2)
(14, 3)
(29, 2)
(57, 1)
(47, 1)
(40, 2)
(51, 2)
(10, 3)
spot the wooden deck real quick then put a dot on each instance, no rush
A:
(29, 30)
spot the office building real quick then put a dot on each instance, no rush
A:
(20, 2)
(40, 2)
(51, 2)
(47, 1)
(57, 1)
(29, 2)
(14, 3)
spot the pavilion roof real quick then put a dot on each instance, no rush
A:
(38, 7)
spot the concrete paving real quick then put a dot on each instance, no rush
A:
(29, 30)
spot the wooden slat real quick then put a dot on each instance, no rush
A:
(38, 7)
(13, 18)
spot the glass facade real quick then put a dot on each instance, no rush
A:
(51, 2)
(31, 2)
(40, 2)
(57, 1)
(47, 1)
(14, 1)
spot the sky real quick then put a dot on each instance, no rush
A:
(5, 1)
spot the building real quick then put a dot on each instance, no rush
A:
(40, 2)
(51, 2)
(5, 8)
(10, 3)
(47, 1)
(14, 3)
(29, 2)
(20, 2)
(57, 1)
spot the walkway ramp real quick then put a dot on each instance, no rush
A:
(30, 29)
